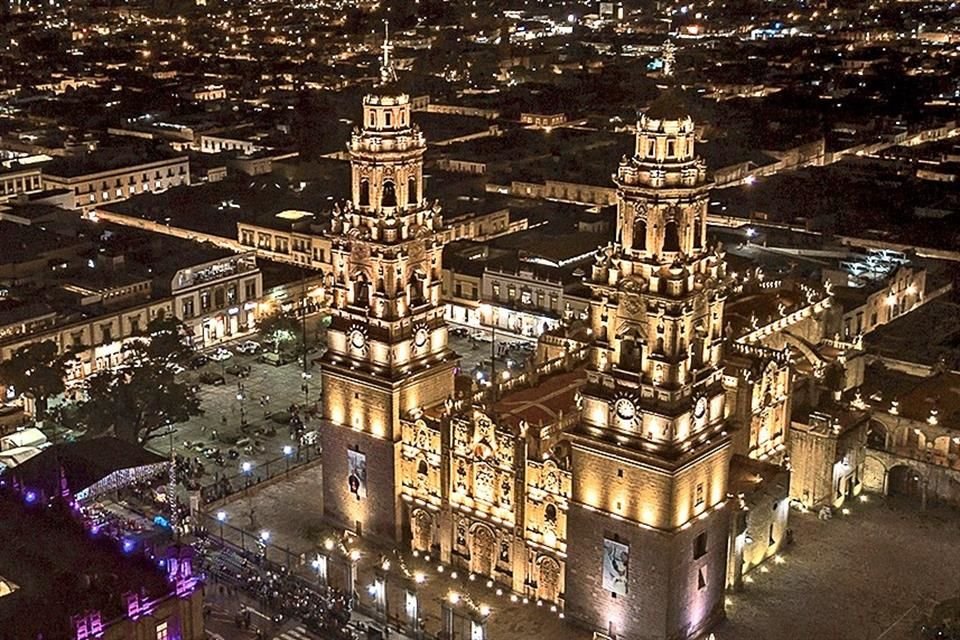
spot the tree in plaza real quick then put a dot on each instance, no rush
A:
(280, 329)
(137, 399)
(38, 369)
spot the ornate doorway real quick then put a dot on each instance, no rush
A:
(422, 530)
(548, 582)
(481, 551)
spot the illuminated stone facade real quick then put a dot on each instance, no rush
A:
(651, 455)
(758, 383)
(388, 355)
(487, 497)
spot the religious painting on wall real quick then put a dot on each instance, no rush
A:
(616, 559)
(357, 474)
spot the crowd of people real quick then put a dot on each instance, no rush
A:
(323, 610)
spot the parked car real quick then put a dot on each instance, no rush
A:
(221, 354)
(210, 377)
(248, 347)
(198, 361)
(276, 359)
(239, 370)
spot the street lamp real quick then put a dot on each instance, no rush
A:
(221, 518)
(287, 454)
(241, 396)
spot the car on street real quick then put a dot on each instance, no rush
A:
(221, 354)
(276, 359)
(239, 370)
(248, 347)
(198, 361)
(210, 377)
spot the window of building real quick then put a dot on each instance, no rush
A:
(205, 301)
(188, 310)
(389, 198)
(701, 579)
(496, 290)
(250, 289)
(232, 294)
(699, 500)
(219, 298)
(388, 118)
(106, 333)
(364, 197)
(700, 546)
(511, 292)
(770, 539)
(162, 631)
(651, 148)
(134, 325)
(671, 148)
(526, 297)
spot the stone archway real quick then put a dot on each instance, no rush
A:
(482, 549)
(548, 579)
(905, 481)
(422, 530)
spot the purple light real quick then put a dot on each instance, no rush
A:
(129, 545)
(30, 497)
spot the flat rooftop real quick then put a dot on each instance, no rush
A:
(59, 569)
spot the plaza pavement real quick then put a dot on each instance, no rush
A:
(869, 575)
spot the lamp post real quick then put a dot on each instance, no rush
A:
(287, 454)
(221, 518)
(241, 396)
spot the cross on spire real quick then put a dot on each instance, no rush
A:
(387, 73)
(669, 58)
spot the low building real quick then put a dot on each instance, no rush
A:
(59, 579)
(104, 177)
(760, 524)
(913, 444)
(827, 454)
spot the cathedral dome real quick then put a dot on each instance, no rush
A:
(671, 104)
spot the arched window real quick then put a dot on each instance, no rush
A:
(389, 198)
(388, 118)
(697, 233)
(417, 288)
(412, 196)
(373, 119)
(640, 235)
(361, 290)
(364, 200)
(422, 468)
(671, 237)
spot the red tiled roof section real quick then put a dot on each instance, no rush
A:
(543, 403)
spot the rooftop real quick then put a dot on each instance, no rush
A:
(60, 570)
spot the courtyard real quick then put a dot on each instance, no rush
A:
(869, 575)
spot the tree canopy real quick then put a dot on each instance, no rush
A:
(281, 331)
(137, 399)
(38, 369)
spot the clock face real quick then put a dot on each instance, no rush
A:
(625, 409)
(700, 408)
(420, 336)
(357, 339)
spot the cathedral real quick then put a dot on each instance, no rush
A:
(628, 516)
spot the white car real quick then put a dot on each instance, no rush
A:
(249, 347)
(220, 355)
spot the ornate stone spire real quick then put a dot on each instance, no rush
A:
(388, 73)
(669, 57)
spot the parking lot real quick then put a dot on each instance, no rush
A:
(246, 417)
(476, 351)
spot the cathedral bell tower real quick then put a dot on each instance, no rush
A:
(387, 351)
(651, 454)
